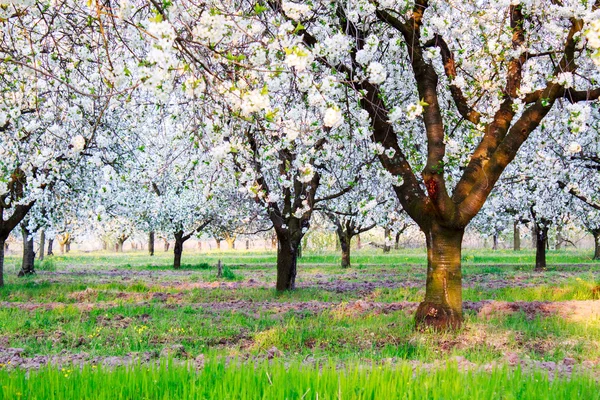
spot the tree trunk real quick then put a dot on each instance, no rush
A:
(50, 243)
(345, 241)
(247, 244)
(287, 260)
(386, 246)
(218, 244)
(151, 243)
(68, 247)
(533, 235)
(442, 307)
(27, 267)
(596, 244)
(540, 248)
(274, 241)
(2, 247)
(178, 249)
(230, 243)
(516, 237)
(559, 238)
(495, 241)
(62, 248)
(397, 241)
(104, 245)
(42, 244)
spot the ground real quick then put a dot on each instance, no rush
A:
(101, 310)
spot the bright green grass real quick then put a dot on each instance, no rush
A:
(276, 381)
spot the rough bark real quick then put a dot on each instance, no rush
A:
(151, 243)
(495, 241)
(68, 247)
(42, 244)
(596, 234)
(540, 247)
(397, 241)
(287, 260)
(516, 237)
(50, 243)
(27, 265)
(345, 241)
(2, 244)
(178, 249)
(442, 307)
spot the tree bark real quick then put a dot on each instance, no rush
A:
(178, 249)
(287, 260)
(50, 243)
(218, 244)
(516, 237)
(62, 248)
(247, 244)
(495, 241)
(345, 241)
(559, 238)
(540, 248)
(68, 246)
(442, 307)
(151, 243)
(42, 244)
(2, 247)
(27, 265)
(596, 234)
(166, 245)
(386, 246)
(397, 241)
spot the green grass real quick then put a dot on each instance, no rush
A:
(277, 381)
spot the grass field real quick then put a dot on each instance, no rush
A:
(104, 325)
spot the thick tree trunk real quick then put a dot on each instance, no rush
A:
(178, 249)
(442, 307)
(151, 243)
(2, 247)
(50, 243)
(397, 241)
(287, 260)
(596, 244)
(230, 243)
(516, 237)
(345, 241)
(27, 267)
(540, 248)
(42, 244)
(495, 241)
(68, 247)
(386, 245)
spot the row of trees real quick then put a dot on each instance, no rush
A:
(178, 117)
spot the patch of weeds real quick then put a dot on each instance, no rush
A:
(47, 265)
(228, 273)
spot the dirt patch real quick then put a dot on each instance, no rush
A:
(574, 310)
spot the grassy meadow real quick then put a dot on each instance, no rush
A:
(106, 325)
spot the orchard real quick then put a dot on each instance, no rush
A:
(204, 199)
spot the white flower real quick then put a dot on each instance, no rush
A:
(306, 173)
(574, 148)
(377, 73)
(565, 79)
(413, 111)
(78, 143)
(333, 117)
(298, 57)
(395, 115)
(294, 10)
(363, 56)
